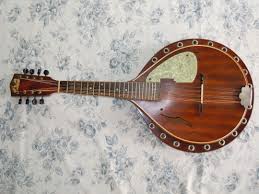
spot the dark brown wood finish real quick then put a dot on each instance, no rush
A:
(173, 110)
(219, 123)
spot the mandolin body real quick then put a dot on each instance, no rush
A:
(178, 118)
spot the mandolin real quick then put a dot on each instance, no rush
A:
(196, 95)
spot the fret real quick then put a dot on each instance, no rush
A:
(128, 91)
(104, 93)
(74, 87)
(132, 90)
(67, 88)
(139, 90)
(119, 88)
(152, 91)
(143, 90)
(123, 89)
(87, 88)
(135, 90)
(148, 90)
(114, 88)
(99, 89)
(93, 87)
(109, 88)
(81, 87)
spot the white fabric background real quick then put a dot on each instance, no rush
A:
(91, 145)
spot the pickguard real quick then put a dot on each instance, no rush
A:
(181, 67)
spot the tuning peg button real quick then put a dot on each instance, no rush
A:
(25, 71)
(31, 71)
(41, 101)
(46, 72)
(34, 101)
(39, 71)
(27, 101)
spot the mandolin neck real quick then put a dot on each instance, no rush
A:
(123, 90)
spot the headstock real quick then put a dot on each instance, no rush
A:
(30, 85)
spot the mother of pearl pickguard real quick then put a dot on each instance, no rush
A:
(181, 67)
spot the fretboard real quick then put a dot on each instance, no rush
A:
(125, 90)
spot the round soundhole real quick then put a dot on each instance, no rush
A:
(176, 144)
(195, 42)
(207, 147)
(162, 135)
(151, 126)
(179, 44)
(191, 148)
(244, 120)
(210, 43)
(222, 142)
(236, 59)
(154, 59)
(166, 50)
(234, 133)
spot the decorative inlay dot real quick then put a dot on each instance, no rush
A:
(39, 92)
(244, 121)
(224, 49)
(154, 59)
(195, 42)
(245, 71)
(162, 135)
(234, 133)
(206, 147)
(222, 142)
(117, 89)
(236, 58)
(90, 88)
(126, 90)
(179, 44)
(151, 126)
(191, 147)
(166, 50)
(249, 107)
(176, 144)
(210, 43)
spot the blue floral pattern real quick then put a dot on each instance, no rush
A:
(84, 144)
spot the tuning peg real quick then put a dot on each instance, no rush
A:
(25, 71)
(39, 71)
(27, 101)
(46, 72)
(34, 101)
(41, 101)
(20, 101)
(31, 71)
